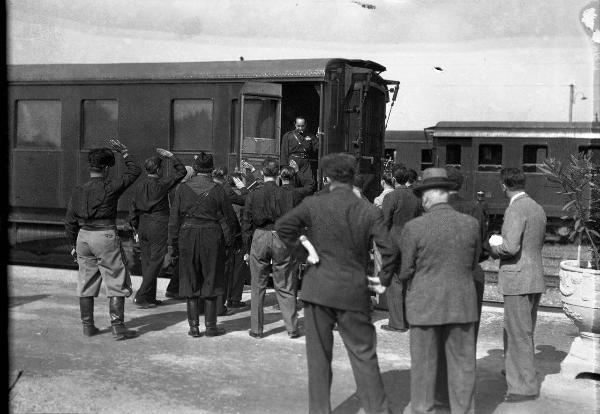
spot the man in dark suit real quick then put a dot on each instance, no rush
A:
(399, 206)
(440, 251)
(340, 226)
(297, 148)
(521, 281)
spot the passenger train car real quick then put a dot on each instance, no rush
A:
(234, 110)
(481, 149)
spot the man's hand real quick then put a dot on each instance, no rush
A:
(246, 258)
(239, 183)
(164, 153)
(74, 254)
(247, 166)
(375, 285)
(313, 256)
(294, 165)
(118, 146)
(495, 240)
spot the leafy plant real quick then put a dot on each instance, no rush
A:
(579, 180)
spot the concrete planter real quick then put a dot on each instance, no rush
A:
(580, 294)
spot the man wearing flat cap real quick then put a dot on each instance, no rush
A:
(197, 234)
(91, 228)
(440, 251)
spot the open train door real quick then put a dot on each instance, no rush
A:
(257, 124)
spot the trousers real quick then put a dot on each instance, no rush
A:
(100, 258)
(358, 333)
(153, 244)
(268, 251)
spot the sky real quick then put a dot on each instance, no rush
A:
(510, 60)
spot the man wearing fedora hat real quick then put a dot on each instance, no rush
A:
(440, 251)
(197, 234)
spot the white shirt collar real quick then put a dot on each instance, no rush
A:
(513, 198)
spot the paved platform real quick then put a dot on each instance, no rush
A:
(54, 368)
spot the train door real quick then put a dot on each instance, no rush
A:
(458, 153)
(257, 124)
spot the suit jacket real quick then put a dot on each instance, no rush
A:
(400, 206)
(440, 252)
(341, 227)
(523, 230)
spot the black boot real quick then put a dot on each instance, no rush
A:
(117, 317)
(193, 315)
(210, 317)
(86, 306)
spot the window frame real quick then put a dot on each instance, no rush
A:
(15, 138)
(82, 146)
(432, 162)
(479, 164)
(454, 165)
(537, 165)
(172, 128)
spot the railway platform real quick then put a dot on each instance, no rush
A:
(55, 369)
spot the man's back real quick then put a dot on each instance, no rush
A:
(340, 226)
(523, 233)
(400, 206)
(439, 253)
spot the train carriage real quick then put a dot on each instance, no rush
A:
(234, 110)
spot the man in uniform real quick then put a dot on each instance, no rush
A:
(440, 251)
(521, 281)
(335, 290)
(297, 148)
(263, 207)
(91, 228)
(150, 210)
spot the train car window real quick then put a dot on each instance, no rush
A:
(490, 157)
(426, 159)
(594, 150)
(39, 124)
(192, 124)
(453, 156)
(533, 157)
(259, 126)
(100, 122)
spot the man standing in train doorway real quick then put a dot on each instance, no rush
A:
(297, 147)
(91, 228)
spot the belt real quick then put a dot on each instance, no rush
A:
(197, 221)
(98, 222)
(299, 155)
(266, 227)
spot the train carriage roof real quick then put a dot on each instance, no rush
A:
(288, 69)
(584, 130)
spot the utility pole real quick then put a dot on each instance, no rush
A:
(571, 101)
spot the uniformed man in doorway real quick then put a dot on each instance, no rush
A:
(297, 147)
(91, 228)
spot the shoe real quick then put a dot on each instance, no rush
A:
(172, 295)
(214, 331)
(515, 398)
(392, 329)
(142, 304)
(156, 302)
(235, 304)
(116, 307)
(224, 312)
(255, 335)
(194, 332)
(86, 305)
(294, 335)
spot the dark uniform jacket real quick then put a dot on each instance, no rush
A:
(341, 227)
(440, 252)
(296, 144)
(199, 201)
(97, 200)
(152, 194)
(399, 206)
(263, 207)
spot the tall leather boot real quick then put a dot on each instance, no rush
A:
(193, 315)
(86, 306)
(210, 317)
(117, 316)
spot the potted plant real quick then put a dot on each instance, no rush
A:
(579, 182)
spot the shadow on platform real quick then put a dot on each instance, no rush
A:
(22, 300)
(156, 321)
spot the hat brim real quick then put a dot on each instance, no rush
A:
(433, 183)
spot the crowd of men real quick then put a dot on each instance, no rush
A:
(427, 244)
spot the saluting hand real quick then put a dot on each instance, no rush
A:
(164, 153)
(246, 165)
(118, 146)
(239, 183)
(375, 285)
